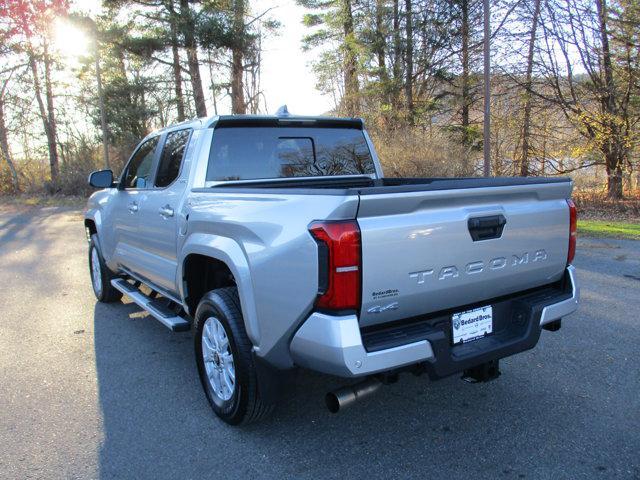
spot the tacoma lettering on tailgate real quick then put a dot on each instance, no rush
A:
(479, 266)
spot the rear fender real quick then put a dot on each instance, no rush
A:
(231, 254)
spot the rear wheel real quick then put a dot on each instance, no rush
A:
(225, 362)
(101, 276)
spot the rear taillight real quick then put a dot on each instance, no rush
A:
(573, 230)
(339, 264)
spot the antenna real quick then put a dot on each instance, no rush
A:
(283, 111)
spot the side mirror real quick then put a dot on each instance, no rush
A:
(101, 179)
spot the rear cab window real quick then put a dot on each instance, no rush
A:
(261, 152)
(172, 156)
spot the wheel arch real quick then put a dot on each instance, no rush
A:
(92, 222)
(90, 226)
(208, 262)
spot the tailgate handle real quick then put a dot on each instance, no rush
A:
(486, 228)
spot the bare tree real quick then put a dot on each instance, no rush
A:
(47, 112)
(599, 102)
(526, 122)
(4, 139)
(409, 61)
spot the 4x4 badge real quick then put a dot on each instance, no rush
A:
(380, 308)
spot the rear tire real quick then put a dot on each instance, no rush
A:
(101, 276)
(220, 336)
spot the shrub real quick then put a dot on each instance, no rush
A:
(412, 152)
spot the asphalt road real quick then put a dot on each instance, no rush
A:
(101, 391)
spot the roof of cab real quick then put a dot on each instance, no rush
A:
(282, 120)
(262, 120)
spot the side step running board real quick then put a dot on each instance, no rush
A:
(165, 316)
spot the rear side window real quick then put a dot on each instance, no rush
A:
(138, 172)
(171, 159)
(247, 153)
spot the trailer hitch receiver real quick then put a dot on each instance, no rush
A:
(484, 372)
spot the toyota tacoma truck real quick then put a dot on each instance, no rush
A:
(280, 243)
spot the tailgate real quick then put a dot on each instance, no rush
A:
(418, 254)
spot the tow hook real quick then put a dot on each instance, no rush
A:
(482, 373)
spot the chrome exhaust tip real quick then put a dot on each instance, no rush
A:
(346, 396)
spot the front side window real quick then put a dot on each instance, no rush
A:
(246, 153)
(171, 158)
(138, 174)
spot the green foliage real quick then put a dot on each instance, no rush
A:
(146, 45)
(312, 20)
(472, 134)
(215, 30)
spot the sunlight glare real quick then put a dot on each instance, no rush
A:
(69, 40)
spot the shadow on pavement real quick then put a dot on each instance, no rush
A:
(537, 420)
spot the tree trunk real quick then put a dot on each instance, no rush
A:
(238, 104)
(4, 148)
(45, 116)
(177, 79)
(351, 87)
(214, 88)
(409, 62)
(543, 160)
(380, 53)
(486, 134)
(103, 113)
(614, 177)
(237, 84)
(191, 47)
(134, 127)
(380, 44)
(615, 151)
(52, 139)
(526, 123)
(465, 73)
(143, 106)
(396, 54)
(177, 70)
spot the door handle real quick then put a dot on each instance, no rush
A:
(166, 211)
(486, 228)
(133, 207)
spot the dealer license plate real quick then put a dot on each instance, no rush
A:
(472, 324)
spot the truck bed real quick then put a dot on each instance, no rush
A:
(421, 252)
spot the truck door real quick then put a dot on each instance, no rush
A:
(132, 192)
(159, 213)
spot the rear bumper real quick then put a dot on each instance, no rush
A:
(563, 308)
(334, 345)
(337, 345)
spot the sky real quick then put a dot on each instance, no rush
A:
(286, 73)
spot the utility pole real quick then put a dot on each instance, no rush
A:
(487, 91)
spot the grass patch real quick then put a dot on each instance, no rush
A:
(603, 228)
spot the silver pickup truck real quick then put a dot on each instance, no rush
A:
(280, 243)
